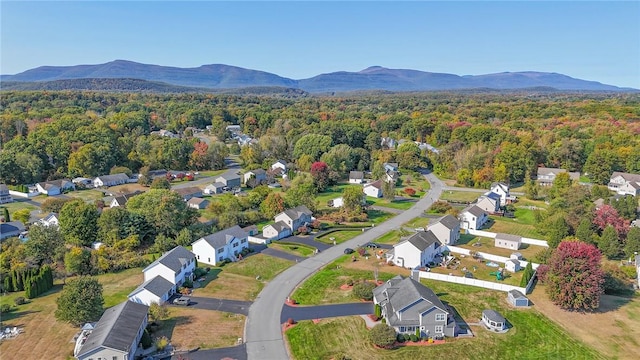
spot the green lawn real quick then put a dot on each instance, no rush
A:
(392, 236)
(329, 194)
(339, 236)
(295, 249)
(414, 180)
(86, 195)
(464, 196)
(18, 205)
(422, 222)
(267, 267)
(377, 216)
(515, 227)
(210, 173)
(533, 336)
(400, 205)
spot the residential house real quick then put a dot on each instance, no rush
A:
(164, 133)
(408, 306)
(508, 241)
(121, 201)
(188, 193)
(259, 175)
(251, 230)
(156, 290)
(512, 265)
(229, 180)
(280, 164)
(546, 176)
(111, 180)
(624, 183)
(356, 177)
(501, 189)
(225, 244)
(517, 299)
(276, 231)
(417, 251)
(388, 143)
(490, 202)
(5, 197)
(446, 229)
(473, 218)
(82, 181)
(391, 172)
(215, 188)
(198, 203)
(153, 174)
(55, 187)
(117, 334)
(50, 220)
(176, 266)
(373, 189)
(11, 229)
(516, 256)
(493, 320)
(336, 203)
(296, 217)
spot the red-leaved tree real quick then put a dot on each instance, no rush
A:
(608, 215)
(574, 277)
(321, 175)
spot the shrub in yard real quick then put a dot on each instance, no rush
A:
(362, 251)
(406, 337)
(364, 290)
(20, 300)
(409, 191)
(378, 311)
(383, 335)
(290, 321)
(198, 272)
(400, 338)
(188, 284)
(5, 308)
(630, 271)
(350, 282)
(146, 340)
(414, 338)
(161, 343)
(418, 335)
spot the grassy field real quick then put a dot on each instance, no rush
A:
(330, 193)
(391, 237)
(209, 173)
(514, 227)
(338, 236)
(533, 335)
(237, 281)
(19, 204)
(422, 222)
(480, 271)
(464, 196)
(295, 249)
(488, 246)
(395, 204)
(191, 328)
(88, 195)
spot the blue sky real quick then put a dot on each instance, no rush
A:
(298, 39)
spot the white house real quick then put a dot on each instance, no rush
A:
(295, 218)
(280, 164)
(55, 187)
(117, 334)
(111, 180)
(624, 183)
(225, 244)
(489, 202)
(508, 241)
(188, 193)
(502, 190)
(337, 202)
(215, 188)
(473, 218)
(373, 189)
(417, 251)
(50, 220)
(276, 231)
(176, 266)
(156, 290)
(198, 203)
(356, 177)
(259, 175)
(5, 197)
(546, 176)
(83, 181)
(512, 265)
(229, 180)
(493, 320)
(446, 229)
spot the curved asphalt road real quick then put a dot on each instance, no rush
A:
(263, 331)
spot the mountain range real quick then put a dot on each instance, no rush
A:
(218, 76)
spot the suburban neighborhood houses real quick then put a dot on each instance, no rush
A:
(225, 244)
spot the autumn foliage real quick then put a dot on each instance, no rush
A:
(574, 277)
(608, 215)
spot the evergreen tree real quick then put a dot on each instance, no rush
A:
(633, 242)
(526, 275)
(609, 243)
(585, 232)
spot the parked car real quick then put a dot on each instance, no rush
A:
(372, 245)
(184, 301)
(348, 251)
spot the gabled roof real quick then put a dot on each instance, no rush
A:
(376, 184)
(296, 212)
(493, 196)
(508, 237)
(257, 172)
(281, 162)
(401, 293)
(356, 175)
(422, 240)
(493, 315)
(626, 176)
(215, 185)
(173, 259)
(60, 183)
(188, 190)
(223, 237)
(449, 221)
(516, 294)
(11, 227)
(229, 176)
(117, 329)
(196, 201)
(114, 177)
(501, 185)
(4, 188)
(49, 218)
(279, 226)
(474, 210)
(158, 286)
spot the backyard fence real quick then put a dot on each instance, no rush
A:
(492, 235)
(23, 195)
(472, 282)
(486, 256)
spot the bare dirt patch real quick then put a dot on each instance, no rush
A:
(613, 329)
(206, 329)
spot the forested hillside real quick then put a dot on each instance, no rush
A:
(481, 137)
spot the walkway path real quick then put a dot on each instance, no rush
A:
(263, 331)
(231, 306)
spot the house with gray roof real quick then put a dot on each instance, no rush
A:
(188, 193)
(446, 229)
(493, 320)
(259, 176)
(517, 299)
(489, 202)
(546, 176)
(55, 187)
(278, 230)
(417, 251)
(117, 334)
(215, 188)
(225, 244)
(176, 266)
(624, 183)
(356, 177)
(296, 217)
(407, 306)
(156, 290)
(111, 180)
(473, 218)
(229, 180)
(11, 229)
(508, 241)
(5, 196)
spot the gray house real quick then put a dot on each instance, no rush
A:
(295, 218)
(229, 180)
(446, 229)
(517, 299)
(117, 334)
(407, 305)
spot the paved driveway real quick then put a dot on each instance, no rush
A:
(231, 306)
(308, 240)
(236, 352)
(263, 330)
(280, 254)
(298, 313)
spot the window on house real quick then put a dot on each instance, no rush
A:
(235, 244)
(114, 358)
(198, 257)
(439, 329)
(243, 241)
(440, 317)
(402, 329)
(220, 258)
(221, 250)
